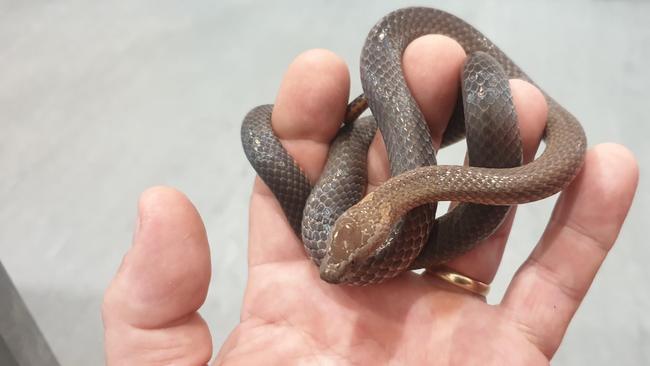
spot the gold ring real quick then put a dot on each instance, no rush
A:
(459, 280)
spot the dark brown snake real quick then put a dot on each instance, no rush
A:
(360, 240)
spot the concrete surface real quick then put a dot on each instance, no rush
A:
(21, 341)
(100, 100)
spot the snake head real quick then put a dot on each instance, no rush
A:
(347, 245)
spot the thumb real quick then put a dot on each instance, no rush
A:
(150, 308)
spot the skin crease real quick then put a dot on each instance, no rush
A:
(290, 316)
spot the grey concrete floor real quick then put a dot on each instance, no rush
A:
(100, 100)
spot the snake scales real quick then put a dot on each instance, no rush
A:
(360, 240)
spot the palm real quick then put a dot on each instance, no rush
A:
(409, 320)
(290, 316)
(288, 309)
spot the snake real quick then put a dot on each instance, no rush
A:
(357, 237)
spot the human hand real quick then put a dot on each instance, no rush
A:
(290, 316)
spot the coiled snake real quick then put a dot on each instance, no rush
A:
(360, 240)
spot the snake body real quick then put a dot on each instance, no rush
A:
(393, 229)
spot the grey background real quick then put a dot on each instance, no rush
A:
(100, 100)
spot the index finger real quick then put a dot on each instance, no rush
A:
(308, 111)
